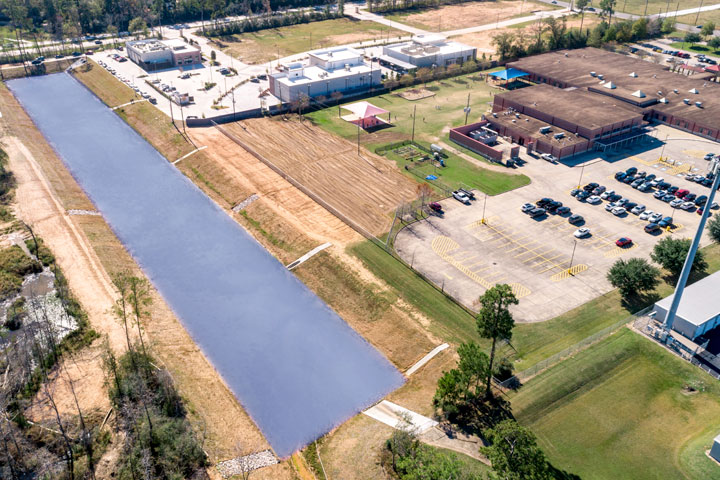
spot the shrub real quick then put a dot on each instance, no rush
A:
(14, 260)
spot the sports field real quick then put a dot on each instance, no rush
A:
(266, 45)
(622, 409)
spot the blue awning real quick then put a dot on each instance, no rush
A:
(508, 74)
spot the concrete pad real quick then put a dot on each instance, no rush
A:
(397, 417)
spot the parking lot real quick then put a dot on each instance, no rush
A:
(191, 80)
(549, 269)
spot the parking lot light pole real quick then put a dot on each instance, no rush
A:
(582, 170)
(482, 220)
(572, 257)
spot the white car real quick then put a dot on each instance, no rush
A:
(646, 214)
(610, 206)
(655, 217)
(676, 203)
(582, 232)
(527, 207)
(637, 210)
(617, 211)
(606, 194)
(690, 206)
(461, 197)
(593, 199)
(549, 158)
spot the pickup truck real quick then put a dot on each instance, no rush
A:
(467, 193)
(461, 197)
(549, 158)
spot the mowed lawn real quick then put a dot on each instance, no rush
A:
(265, 45)
(653, 6)
(618, 410)
(433, 119)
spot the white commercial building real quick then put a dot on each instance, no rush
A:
(339, 69)
(699, 310)
(154, 55)
(429, 51)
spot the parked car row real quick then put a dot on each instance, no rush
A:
(128, 82)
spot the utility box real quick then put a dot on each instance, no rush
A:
(715, 450)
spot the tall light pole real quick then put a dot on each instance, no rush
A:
(682, 281)
(572, 257)
(413, 127)
(482, 220)
(698, 12)
(582, 169)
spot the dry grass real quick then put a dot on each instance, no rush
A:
(454, 17)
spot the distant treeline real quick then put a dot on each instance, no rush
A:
(254, 24)
(62, 18)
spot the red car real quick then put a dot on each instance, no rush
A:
(681, 193)
(623, 242)
(436, 207)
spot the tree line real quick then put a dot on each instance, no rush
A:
(68, 19)
(553, 34)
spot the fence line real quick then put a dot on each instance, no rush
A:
(571, 350)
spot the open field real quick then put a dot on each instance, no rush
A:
(697, 47)
(435, 116)
(265, 45)
(483, 40)
(619, 410)
(693, 19)
(454, 17)
(365, 189)
(653, 6)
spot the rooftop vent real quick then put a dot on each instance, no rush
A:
(675, 90)
(693, 90)
(558, 136)
(609, 85)
(593, 74)
(633, 74)
(686, 101)
(601, 76)
(639, 94)
(659, 92)
(663, 100)
(698, 104)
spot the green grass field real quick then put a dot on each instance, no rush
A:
(693, 19)
(653, 6)
(435, 116)
(694, 48)
(265, 45)
(618, 410)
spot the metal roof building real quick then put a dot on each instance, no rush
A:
(699, 310)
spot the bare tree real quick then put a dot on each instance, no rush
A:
(66, 438)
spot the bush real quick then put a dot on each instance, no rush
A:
(9, 283)
(44, 254)
(713, 227)
(15, 314)
(14, 260)
(633, 276)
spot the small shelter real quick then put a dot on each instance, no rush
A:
(365, 114)
(508, 74)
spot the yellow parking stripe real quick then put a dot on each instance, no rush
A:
(567, 273)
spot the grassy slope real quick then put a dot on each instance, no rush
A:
(435, 115)
(694, 48)
(262, 46)
(617, 410)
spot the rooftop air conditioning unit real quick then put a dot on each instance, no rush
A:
(517, 115)
(601, 76)
(686, 101)
(494, 114)
(698, 104)
(558, 136)
(633, 74)
(675, 90)
(545, 129)
(593, 74)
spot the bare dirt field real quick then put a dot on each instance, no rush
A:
(483, 40)
(451, 17)
(366, 189)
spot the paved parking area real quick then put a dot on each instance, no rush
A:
(549, 269)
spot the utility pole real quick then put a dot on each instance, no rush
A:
(467, 109)
(413, 127)
(646, 7)
(698, 12)
(358, 138)
(677, 296)
(482, 220)
(572, 257)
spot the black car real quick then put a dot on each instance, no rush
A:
(701, 200)
(650, 177)
(537, 212)
(620, 175)
(591, 186)
(583, 195)
(614, 197)
(672, 189)
(707, 182)
(630, 205)
(76, 54)
(629, 179)
(663, 186)
(641, 175)
(575, 219)
(552, 206)
(689, 197)
(631, 171)
(563, 210)
(574, 192)
(543, 201)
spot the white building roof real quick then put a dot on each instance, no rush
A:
(336, 54)
(700, 301)
(178, 45)
(429, 38)
(317, 74)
